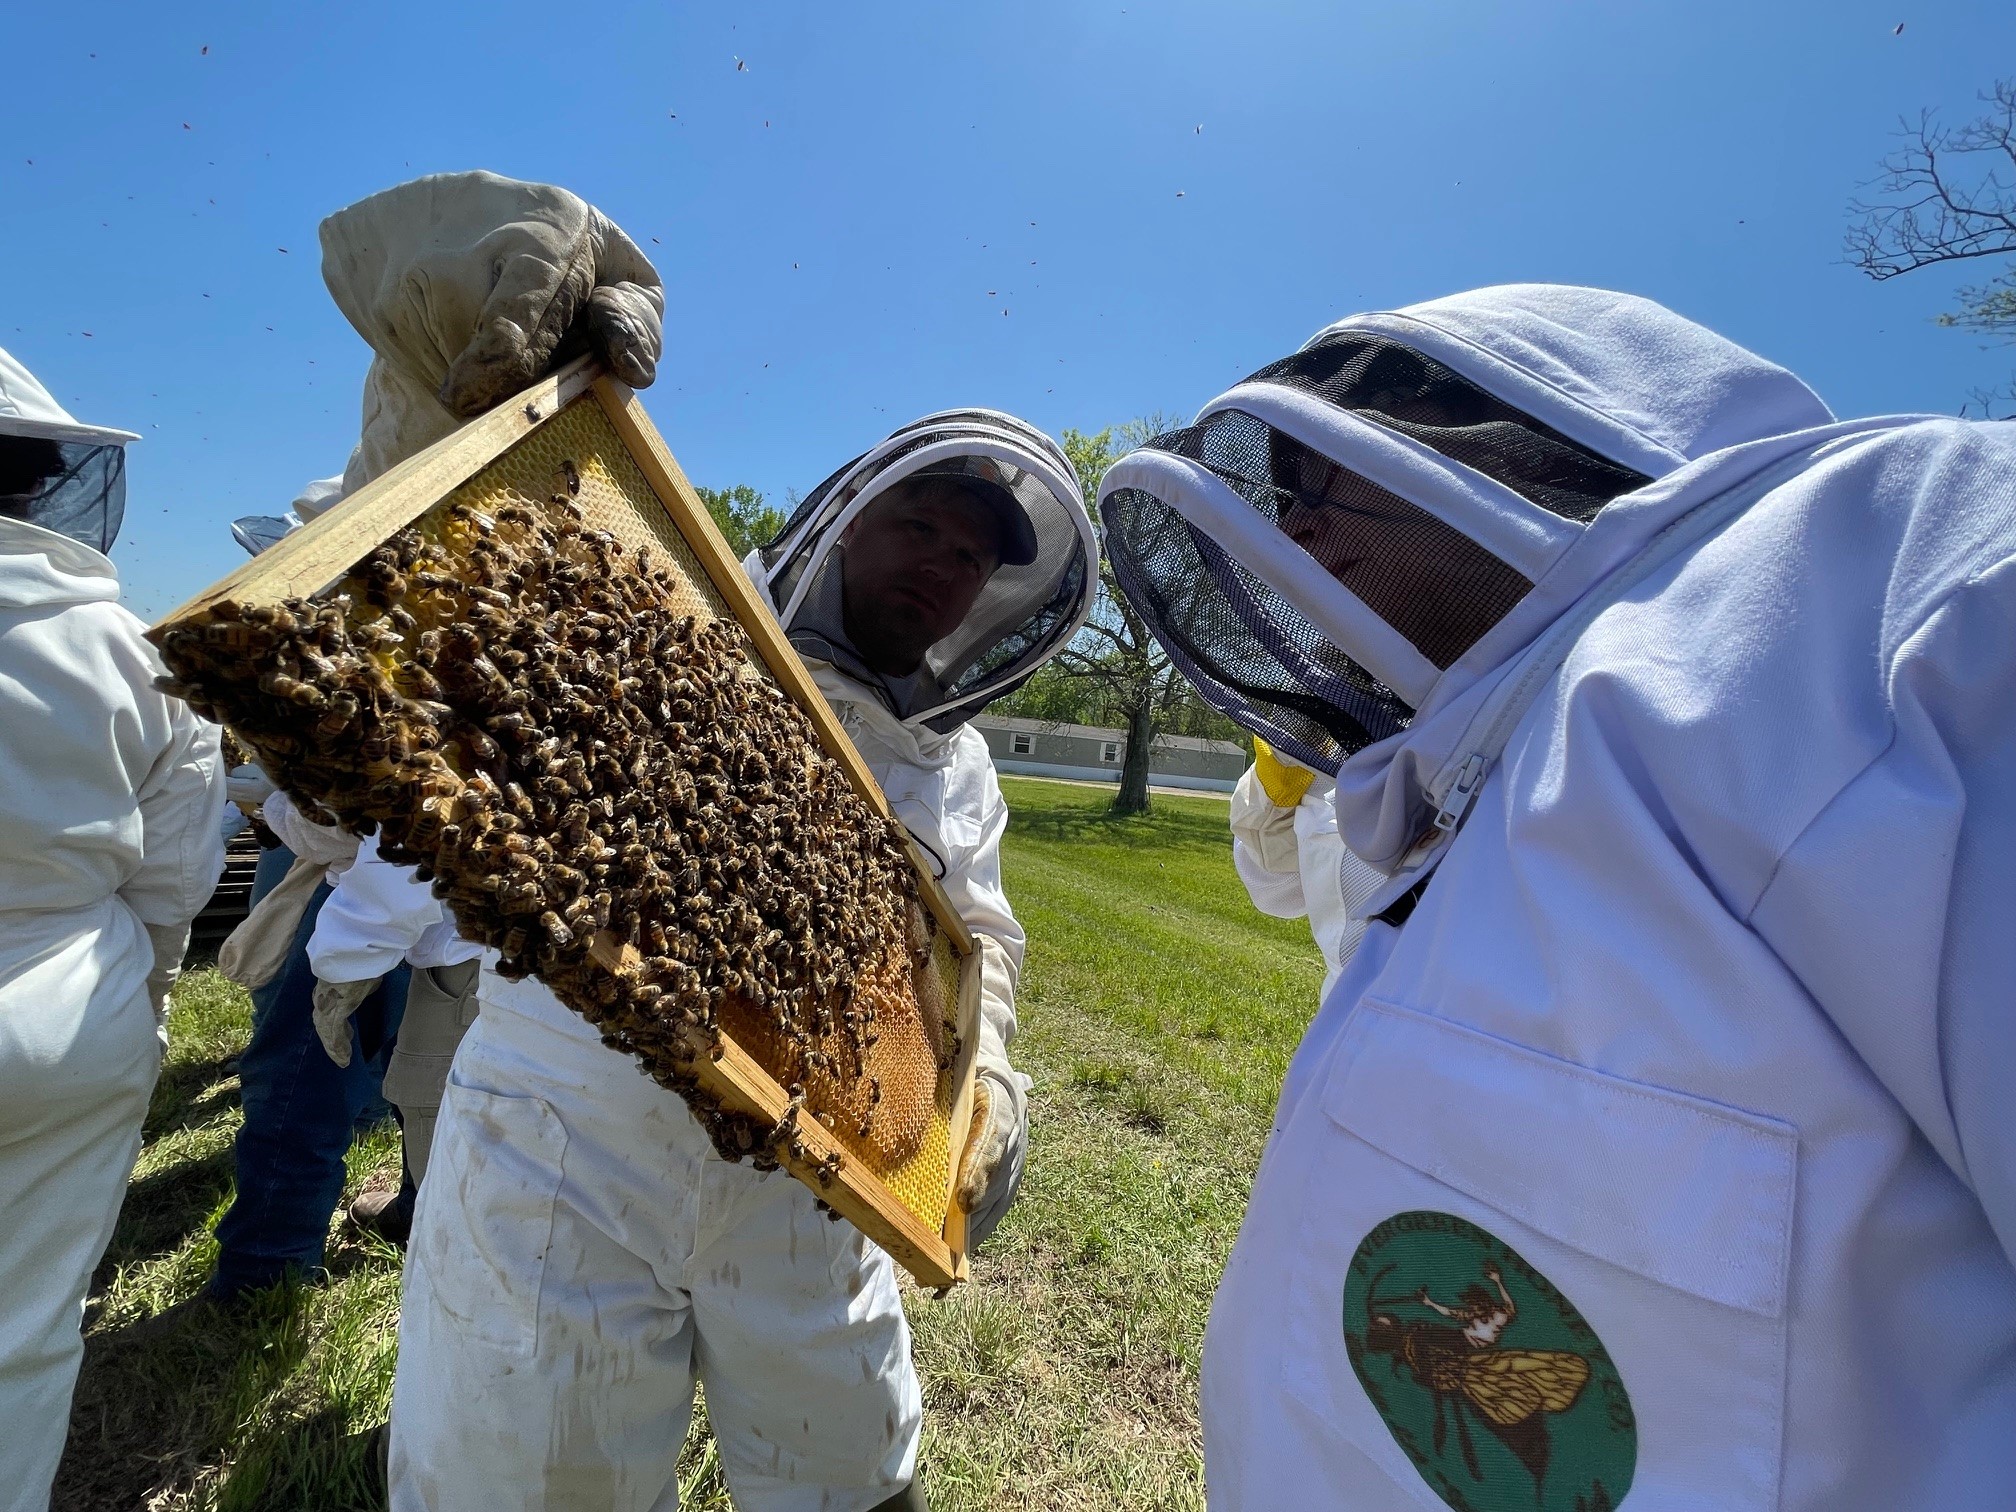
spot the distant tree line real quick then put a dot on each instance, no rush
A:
(745, 519)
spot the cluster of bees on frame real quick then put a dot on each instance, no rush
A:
(601, 787)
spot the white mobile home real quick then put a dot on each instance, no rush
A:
(1086, 753)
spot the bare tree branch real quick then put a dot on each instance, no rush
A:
(1922, 213)
(1123, 673)
(1948, 195)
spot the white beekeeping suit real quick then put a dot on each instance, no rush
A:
(1661, 1155)
(594, 1256)
(1287, 852)
(110, 800)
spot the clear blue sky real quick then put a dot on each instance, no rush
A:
(901, 207)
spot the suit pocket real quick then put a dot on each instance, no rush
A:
(1543, 1286)
(486, 1213)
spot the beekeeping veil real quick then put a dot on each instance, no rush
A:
(54, 472)
(1029, 608)
(1335, 541)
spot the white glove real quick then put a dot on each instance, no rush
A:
(990, 1170)
(247, 786)
(990, 1167)
(170, 944)
(335, 1004)
(309, 841)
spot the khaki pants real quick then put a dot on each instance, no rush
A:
(440, 1007)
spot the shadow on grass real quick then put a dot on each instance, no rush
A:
(315, 1461)
(165, 1209)
(190, 1093)
(158, 1408)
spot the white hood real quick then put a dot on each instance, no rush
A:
(1627, 378)
(1592, 422)
(28, 409)
(40, 569)
(79, 487)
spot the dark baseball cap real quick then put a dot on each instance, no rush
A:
(991, 485)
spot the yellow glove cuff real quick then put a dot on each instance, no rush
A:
(1283, 781)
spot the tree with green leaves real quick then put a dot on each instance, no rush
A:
(1948, 195)
(744, 518)
(1121, 672)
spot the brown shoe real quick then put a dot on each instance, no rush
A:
(387, 1214)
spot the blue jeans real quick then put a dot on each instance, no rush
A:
(301, 1112)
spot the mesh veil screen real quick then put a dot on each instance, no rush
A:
(1256, 656)
(1022, 613)
(1311, 701)
(1427, 579)
(1417, 396)
(75, 488)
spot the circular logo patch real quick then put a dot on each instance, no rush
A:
(1488, 1378)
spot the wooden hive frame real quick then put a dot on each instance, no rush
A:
(314, 559)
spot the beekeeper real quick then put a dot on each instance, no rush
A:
(467, 287)
(1287, 853)
(301, 1110)
(110, 800)
(580, 1255)
(381, 917)
(1654, 1148)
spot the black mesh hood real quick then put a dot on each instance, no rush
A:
(1026, 613)
(82, 496)
(1311, 603)
(55, 471)
(1419, 397)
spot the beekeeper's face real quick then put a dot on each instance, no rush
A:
(1373, 544)
(912, 565)
(27, 463)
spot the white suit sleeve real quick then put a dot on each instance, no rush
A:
(1895, 906)
(181, 803)
(973, 884)
(377, 913)
(1264, 850)
(322, 844)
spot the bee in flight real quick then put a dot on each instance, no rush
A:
(1512, 1391)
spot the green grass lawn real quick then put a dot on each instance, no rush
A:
(1158, 1013)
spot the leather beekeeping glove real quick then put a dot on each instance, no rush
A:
(468, 286)
(990, 1168)
(335, 1004)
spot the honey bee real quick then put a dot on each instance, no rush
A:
(524, 708)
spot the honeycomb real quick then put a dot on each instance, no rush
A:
(866, 1045)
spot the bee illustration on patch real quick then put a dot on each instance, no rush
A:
(1512, 1392)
